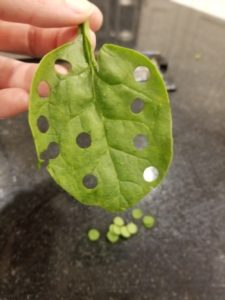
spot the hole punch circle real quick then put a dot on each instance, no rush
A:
(51, 152)
(140, 141)
(43, 89)
(141, 74)
(42, 124)
(150, 174)
(90, 181)
(62, 67)
(137, 106)
(83, 140)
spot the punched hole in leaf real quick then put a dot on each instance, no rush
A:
(90, 181)
(83, 140)
(140, 141)
(43, 89)
(51, 152)
(141, 74)
(137, 106)
(42, 124)
(62, 67)
(150, 174)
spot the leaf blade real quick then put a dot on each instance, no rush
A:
(97, 99)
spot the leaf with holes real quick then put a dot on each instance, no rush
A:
(102, 127)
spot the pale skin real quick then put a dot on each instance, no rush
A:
(35, 27)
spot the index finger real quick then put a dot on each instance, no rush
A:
(49, 13)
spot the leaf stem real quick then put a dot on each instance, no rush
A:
(88, 50)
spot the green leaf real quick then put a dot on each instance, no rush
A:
(103, 128)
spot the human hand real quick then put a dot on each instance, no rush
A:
(35, 27)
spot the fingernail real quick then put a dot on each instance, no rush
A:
(80, 6)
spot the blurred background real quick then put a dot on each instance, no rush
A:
(44, 251)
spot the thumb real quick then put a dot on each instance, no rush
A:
(48, 13)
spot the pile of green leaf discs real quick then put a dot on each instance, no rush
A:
(118, 230)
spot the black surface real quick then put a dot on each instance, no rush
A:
(44, 253)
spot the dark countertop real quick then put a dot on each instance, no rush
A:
(44, 253)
